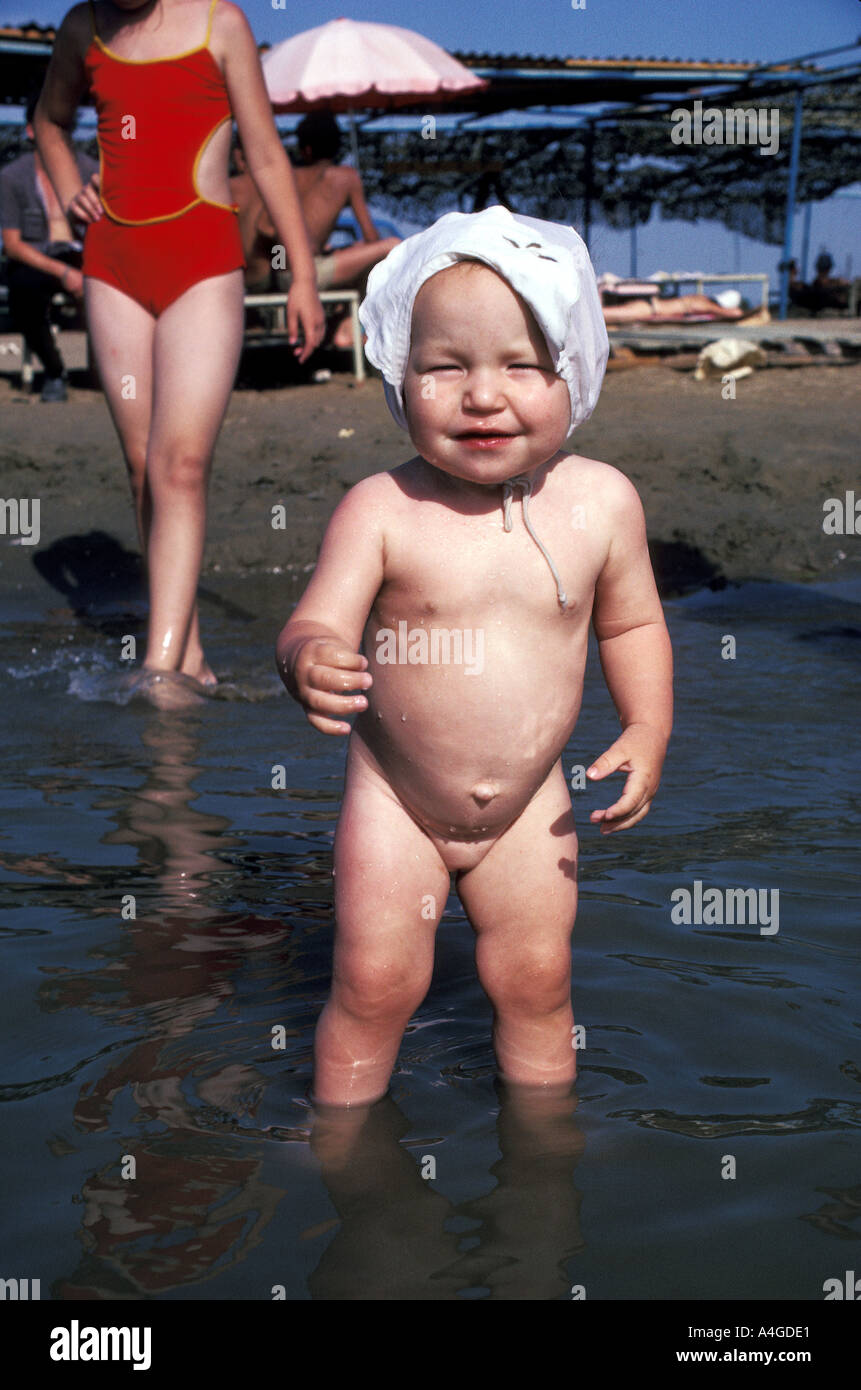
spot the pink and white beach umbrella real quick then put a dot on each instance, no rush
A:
(345, 65)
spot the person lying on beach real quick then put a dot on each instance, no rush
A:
(469, 575)
(639, 302)
(325, 189)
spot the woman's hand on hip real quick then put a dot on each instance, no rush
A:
(86, 206)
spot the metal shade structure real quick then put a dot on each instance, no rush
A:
(586, 97)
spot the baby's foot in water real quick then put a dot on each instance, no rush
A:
(169, 690)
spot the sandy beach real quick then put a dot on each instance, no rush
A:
(732, 489)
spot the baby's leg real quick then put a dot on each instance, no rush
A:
(390, 892)
(522, 900)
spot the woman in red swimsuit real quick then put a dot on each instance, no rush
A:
(163, 263)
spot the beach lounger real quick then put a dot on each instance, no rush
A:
(351, 297)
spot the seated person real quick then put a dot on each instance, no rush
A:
(43, 255)
(626, 302)
(825, 291)
(325, 189)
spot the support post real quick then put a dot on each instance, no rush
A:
(588, 181)
(354, 141)
(805, 239)
(794, 159)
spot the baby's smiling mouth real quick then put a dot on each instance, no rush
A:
(484, 441)
(485, 434)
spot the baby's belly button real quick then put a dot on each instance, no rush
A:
(438, 790)
(470, 813)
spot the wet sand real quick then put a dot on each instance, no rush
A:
(732, 489)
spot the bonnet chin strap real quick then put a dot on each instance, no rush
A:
(507, 495)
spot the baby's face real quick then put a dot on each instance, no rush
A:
(482, 401)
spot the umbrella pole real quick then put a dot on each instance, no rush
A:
(354, 143)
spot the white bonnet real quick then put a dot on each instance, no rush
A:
(545, 263)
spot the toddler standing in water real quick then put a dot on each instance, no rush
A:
(469, 575)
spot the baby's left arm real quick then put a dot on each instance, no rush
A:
(636, 658)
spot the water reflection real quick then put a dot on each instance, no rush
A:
(401, 1238)
(176, 1109)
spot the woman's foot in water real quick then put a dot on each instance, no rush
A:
(169, 690)
(198, 669)
(194, 663)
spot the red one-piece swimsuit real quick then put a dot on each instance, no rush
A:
(159, 235)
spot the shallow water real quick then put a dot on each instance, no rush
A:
(151, 1038)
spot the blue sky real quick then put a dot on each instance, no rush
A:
(733, 29)
(761, 30)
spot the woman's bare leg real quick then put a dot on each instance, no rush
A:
(196, 348)
(122, 334)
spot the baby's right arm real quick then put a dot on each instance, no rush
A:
(318, 649)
